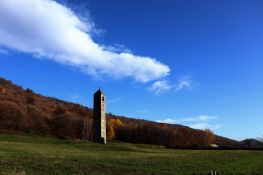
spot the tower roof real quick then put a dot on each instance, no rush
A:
(99, 91)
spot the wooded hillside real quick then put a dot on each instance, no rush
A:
(23, 111)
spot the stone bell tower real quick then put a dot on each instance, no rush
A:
(99, 117)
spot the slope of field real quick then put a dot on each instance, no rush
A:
(23, 155)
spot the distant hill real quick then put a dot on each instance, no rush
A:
(252, 143)
(23, 111)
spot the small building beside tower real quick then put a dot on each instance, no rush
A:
(99, 118)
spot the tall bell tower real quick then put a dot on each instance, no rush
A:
(99, 117)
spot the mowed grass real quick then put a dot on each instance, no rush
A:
(21, 155)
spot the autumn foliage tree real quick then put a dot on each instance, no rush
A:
(210, 137)
(112, 126)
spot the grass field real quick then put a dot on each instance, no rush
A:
(20, 155)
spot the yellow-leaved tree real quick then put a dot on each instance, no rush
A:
(113, 125)
(210, 136)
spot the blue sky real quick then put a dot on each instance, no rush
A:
(197, 63)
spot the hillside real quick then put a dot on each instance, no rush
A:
(252, 143)
(23, 155)
(23, 111)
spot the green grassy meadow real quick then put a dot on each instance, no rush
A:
(21, 155)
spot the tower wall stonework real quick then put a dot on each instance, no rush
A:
(99, 117)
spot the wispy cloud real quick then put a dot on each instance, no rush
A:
(205, 126)
(118, 48)
(162, 86)
(200, 118)
(184, 83)
(168, 120)
(50, 30)
(74, 97)
(159, 87)
(198, 122)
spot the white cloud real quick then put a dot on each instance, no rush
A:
(199, 122)
(74, 98)
(47, 29)
(168, 120)
(118, 48)
(205, 126)
(184, 83)
(162, 86)
(159, 87)
(199, 118)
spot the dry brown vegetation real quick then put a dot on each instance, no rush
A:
(25, 111)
